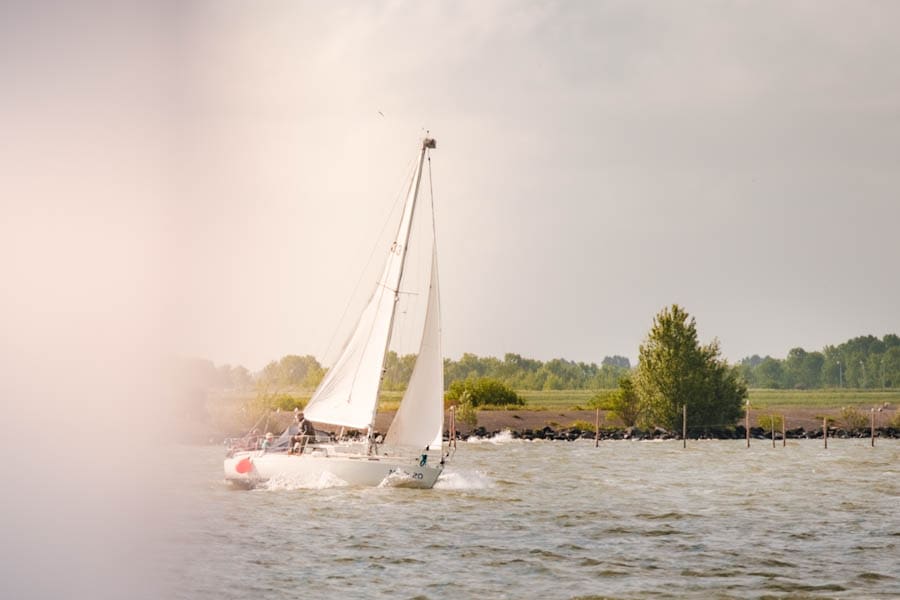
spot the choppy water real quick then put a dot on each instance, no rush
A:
(563, 520)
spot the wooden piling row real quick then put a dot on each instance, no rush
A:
(684, 428)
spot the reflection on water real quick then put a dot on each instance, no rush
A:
(561, 520)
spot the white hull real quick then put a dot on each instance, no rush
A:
(249, 469)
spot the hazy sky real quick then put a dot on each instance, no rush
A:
(596, 161)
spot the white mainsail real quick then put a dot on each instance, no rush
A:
(348, 394)
(419, 421)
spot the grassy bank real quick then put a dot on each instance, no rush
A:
(834, 398)
(234, 412)
(759, 398)
(583, 399)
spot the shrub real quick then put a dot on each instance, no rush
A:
(465, 411)
(582, 426)
(895, 422)
(604, 400)
(264, 403)
(853, 418)
(770, 422)
(829, 420)
(482, 392)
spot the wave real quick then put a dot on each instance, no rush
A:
(463, 480)
(315, 482)
(504, 437)
(399, 478)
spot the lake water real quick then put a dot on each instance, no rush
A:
(515, 519)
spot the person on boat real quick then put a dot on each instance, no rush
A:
(305, 433)
(305, 427)
(267, 442)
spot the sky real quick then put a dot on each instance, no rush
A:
(209, 179)
(596, 162)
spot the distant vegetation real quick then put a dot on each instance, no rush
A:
(863, 362)
(293, 372)
(530, 374)
(830, 377)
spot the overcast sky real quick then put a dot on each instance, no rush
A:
(596, 162)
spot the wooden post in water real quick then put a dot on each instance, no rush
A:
(747, 422)
(873, 427)
(597, 429)
(453, 426)
(773, 431)
(825, 431)
(684, 424)
(783, 436)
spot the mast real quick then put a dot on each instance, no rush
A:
(426, 144)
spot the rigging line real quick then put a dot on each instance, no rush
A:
(362, 273)
(397, 291)
(431, 197)
(434, 244)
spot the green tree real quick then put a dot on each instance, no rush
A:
(397, 371)
(616, 361)
(292, 371)
(625, 402)
(770, 374)
(675, 370)
(608, 376)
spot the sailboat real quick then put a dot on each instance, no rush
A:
(411, 453)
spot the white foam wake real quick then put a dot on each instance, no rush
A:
(504, 437)
(313, 482)
(398, 478)
(463, 480)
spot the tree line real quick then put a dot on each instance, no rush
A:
(305, 372)
(864, 362)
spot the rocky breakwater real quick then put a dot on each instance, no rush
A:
(569, 434)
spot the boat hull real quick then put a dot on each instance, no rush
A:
(249, 469)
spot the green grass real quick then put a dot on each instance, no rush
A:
(557, 399)
(832, 398)
(759, 398)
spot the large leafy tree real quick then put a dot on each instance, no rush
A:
(675, 370)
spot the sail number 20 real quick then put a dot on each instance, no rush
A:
(414, 475)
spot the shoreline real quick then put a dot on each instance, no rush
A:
(800, 423)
